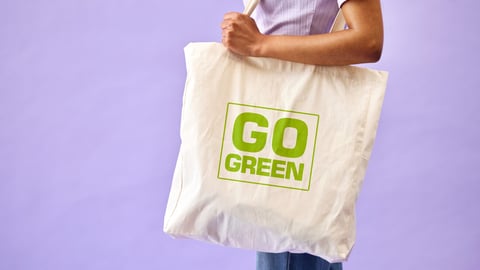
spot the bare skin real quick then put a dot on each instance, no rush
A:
(362, 42)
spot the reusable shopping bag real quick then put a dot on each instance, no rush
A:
(273, 153)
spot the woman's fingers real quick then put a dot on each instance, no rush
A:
(240, 33)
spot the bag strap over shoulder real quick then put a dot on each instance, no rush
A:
(250, 7)
(338, 24)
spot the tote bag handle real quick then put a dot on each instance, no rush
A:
(338, 24)
(250, 7)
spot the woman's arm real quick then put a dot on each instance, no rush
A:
(362, 42)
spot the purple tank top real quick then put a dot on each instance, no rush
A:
(296, 17)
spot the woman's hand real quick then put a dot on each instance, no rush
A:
(240, 34)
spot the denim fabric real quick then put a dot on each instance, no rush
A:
(293, 261)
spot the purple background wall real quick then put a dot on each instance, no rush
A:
(90, 101)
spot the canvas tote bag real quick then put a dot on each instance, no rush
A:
(273, 153)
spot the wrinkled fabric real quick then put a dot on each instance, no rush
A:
(337, 110)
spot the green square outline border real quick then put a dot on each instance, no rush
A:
(264, 184)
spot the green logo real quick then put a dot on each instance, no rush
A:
(268, 146)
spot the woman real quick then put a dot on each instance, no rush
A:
(307, 43)
(297, 30)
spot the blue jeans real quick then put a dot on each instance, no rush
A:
(292, 261)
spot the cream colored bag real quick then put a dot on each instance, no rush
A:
(273, 153)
